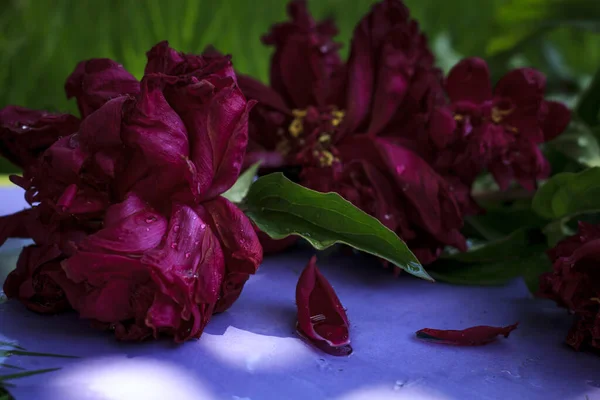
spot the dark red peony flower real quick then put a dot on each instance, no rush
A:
(500, 130)
(574, 283)
(362, 129)
(127, 217)
(322, 320)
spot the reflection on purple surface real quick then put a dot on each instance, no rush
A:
(252, 352)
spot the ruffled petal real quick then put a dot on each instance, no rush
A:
(25, 134)
(98, 80)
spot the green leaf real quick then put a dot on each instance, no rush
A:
(10, 366)
(588, 108)
(282, 208)
(9, 353)
(26, 373)
(4, 394)
(239, 190)
(520, 254)
(9, 344)
(569, 193)
(579, 144)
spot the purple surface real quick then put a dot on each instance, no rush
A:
(251, 351)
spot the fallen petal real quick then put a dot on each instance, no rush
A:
(474, 336)
(322, 320)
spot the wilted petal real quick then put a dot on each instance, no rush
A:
(361, 75)
(32, 280)
(557, 118)
(427, 195)
(103, 284)
(160, 138)
(305, 66)
(262, 93)
(474, 336)
(441, 128)
(469, 81)
(14, 225)
(242, 250)
(188, 267)
(179, 66)
(215, 113)
(130, 228)
(394, 75)
(524, 87)
(321, 317)
(98, 80)
(25, 134)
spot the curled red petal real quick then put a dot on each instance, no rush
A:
(98, 80)
(474, 336)
(322, 319)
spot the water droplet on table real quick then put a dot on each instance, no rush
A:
(323, 365)
(399, 384)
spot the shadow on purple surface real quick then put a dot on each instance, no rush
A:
(251, 351)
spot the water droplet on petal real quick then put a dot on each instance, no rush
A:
(174, 245)
(202, 226)
(188, 255)
(400, 169)
(24, 127)
(176, 228)
(387, 217)
(150, 219)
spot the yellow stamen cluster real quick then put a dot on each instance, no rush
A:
(499, 114)
(338, 116)
(596, 299)
(297, 126)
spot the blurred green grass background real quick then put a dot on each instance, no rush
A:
(42, 40)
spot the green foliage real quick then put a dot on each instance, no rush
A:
(239, 190)
(568, 193)
(518, 254)
(588, 108)
(282, 208)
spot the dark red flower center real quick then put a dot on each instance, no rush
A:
(309, 138)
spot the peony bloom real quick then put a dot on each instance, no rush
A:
(361, 129)
(127, 217)
(322, 320)
(500, 129)
(574, 284)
